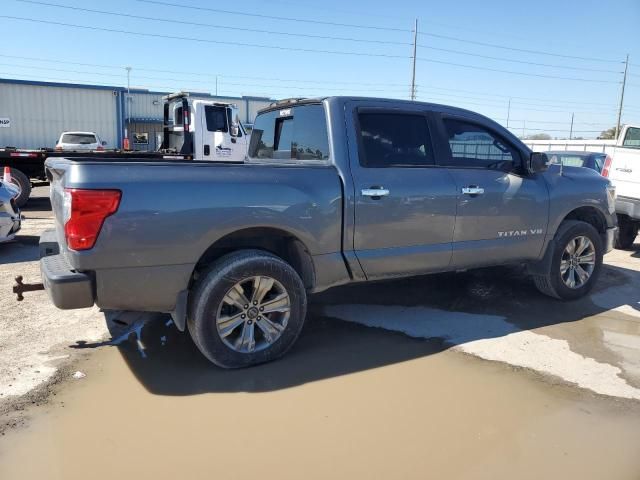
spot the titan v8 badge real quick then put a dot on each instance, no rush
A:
(520, 233)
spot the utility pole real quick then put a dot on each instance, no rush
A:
(508, 112)
(524, 126)
(571, 129)
(216, 85)
(624, 83)
(127, 109)
(413, 72)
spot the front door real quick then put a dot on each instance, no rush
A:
(404, 204)
(502, 212)
(222, 139)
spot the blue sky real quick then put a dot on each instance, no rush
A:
(375, 44)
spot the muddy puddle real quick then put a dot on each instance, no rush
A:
(348, 402)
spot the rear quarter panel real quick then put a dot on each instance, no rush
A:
(170, 214)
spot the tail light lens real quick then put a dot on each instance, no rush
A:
(84, 214)
(607, 166)
(100, 148)
(58, 148)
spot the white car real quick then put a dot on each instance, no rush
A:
(623, 169)
(9, 213)
(74, 141)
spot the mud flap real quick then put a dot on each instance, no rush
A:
(179, 315)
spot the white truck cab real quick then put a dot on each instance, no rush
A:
(624, 172)
(206, 129)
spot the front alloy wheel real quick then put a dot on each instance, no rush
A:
(578, 262)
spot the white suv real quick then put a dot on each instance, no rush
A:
(73, 141)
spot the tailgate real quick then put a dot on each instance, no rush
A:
(625, 172)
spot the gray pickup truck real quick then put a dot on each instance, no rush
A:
(333, 191)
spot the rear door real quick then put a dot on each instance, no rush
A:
(404, 203)
(502, 212)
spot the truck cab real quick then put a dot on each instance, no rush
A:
(207, 130)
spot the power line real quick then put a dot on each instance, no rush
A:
(298, 49)
(274, 17)
(525, 62)
(539, 75)
(514, 49)
(210, 25)
(493, 105)
(373, 27)
(202, 74)
(496, 101)
(204, 40)
(290, 34)
(515, 96)
(516, 103)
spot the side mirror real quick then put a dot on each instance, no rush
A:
(235, 129)
(538, 162)
(103, 143)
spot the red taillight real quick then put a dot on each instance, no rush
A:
(186, 120)
(58, 148)
(606, 167)
(85, 212)
(99, 148)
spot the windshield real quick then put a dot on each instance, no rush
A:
(79, 138)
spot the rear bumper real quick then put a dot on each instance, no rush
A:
(628, 206)
(67, 288)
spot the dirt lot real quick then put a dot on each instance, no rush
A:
(471, 375)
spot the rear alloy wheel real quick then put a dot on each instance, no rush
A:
(575, 261)
(248, 308)
(253, 314)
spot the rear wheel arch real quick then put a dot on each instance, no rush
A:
(281, 243)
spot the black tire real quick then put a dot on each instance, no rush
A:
(627, 233)
(216, 282)
(551, 282)
(24, 183)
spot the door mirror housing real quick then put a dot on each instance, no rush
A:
(103, 143)
(538, 162)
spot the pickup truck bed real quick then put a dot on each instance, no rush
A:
(171, 213)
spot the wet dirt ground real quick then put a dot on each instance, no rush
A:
(470, 375)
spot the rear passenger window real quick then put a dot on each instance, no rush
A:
(394, 140)
(632, 138)
(477, 147)
(295, 133)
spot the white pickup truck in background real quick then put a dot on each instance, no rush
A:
(623, 169)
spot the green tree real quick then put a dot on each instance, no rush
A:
(609, 134)
(539, 136)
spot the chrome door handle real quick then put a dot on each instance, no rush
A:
(625, 170)
(375, 192)
(472, 190)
